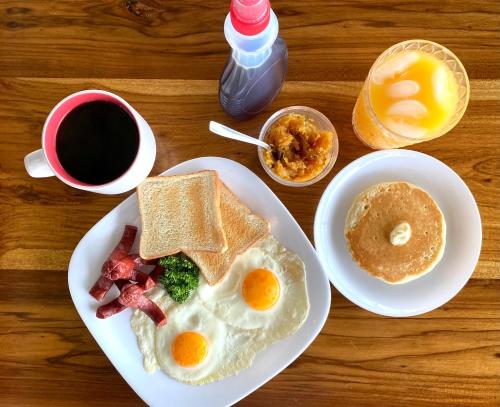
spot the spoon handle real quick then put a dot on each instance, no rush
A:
(225, 131)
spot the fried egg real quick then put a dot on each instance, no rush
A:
(145, 329)
(265, 289)
(220, 329)
(194, 347)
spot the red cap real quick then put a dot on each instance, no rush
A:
(250, 17)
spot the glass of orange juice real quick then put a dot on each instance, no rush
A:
(416, 90)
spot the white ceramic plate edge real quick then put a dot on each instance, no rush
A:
(341, 177)
(319, 320)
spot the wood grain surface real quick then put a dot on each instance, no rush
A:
(165, 57)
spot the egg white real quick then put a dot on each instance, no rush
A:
(230, 350)
(145, 329)
(225, 299)
(235, 332)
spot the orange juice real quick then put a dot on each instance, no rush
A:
(410, 96)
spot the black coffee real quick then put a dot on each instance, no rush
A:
(97, 142)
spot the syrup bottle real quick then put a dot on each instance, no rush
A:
(256, 68)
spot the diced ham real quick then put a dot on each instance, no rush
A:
(145, 281)
(113, 307)
(139, 261)
(127, 240)
(121, 268)
(121, 283)
(133, 296)
(124, 267)
(110, 309)
(104, 283)
(156, 273)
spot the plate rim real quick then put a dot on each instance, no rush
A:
(344, 174)
(320, 318)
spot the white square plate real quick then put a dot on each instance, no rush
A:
(115, 336)
(463, 233)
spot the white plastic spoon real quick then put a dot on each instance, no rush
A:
(225, 131)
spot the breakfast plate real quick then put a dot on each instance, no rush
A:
(463, 233)
(115, 335)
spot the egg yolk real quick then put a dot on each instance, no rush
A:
(261, 289)
(189, 349)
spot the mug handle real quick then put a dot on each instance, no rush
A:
(37, 166)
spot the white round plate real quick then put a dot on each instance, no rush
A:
(463, 233)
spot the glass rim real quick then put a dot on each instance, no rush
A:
(457, 116)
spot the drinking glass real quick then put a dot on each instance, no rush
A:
(370, 129)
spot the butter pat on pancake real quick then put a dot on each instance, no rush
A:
(395, 231)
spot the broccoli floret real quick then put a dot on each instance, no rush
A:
(181, 276)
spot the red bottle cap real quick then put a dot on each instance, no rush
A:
(250, 17)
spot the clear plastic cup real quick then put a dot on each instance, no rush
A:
(321, 121)
(367, 126)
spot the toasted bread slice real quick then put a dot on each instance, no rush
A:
(180, 213)
(243, 229)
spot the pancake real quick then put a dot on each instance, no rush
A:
(395, 211)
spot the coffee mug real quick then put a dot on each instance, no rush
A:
(63, 139)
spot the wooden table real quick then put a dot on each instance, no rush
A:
(165, 58)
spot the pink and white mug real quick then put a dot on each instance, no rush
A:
(46, 162)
